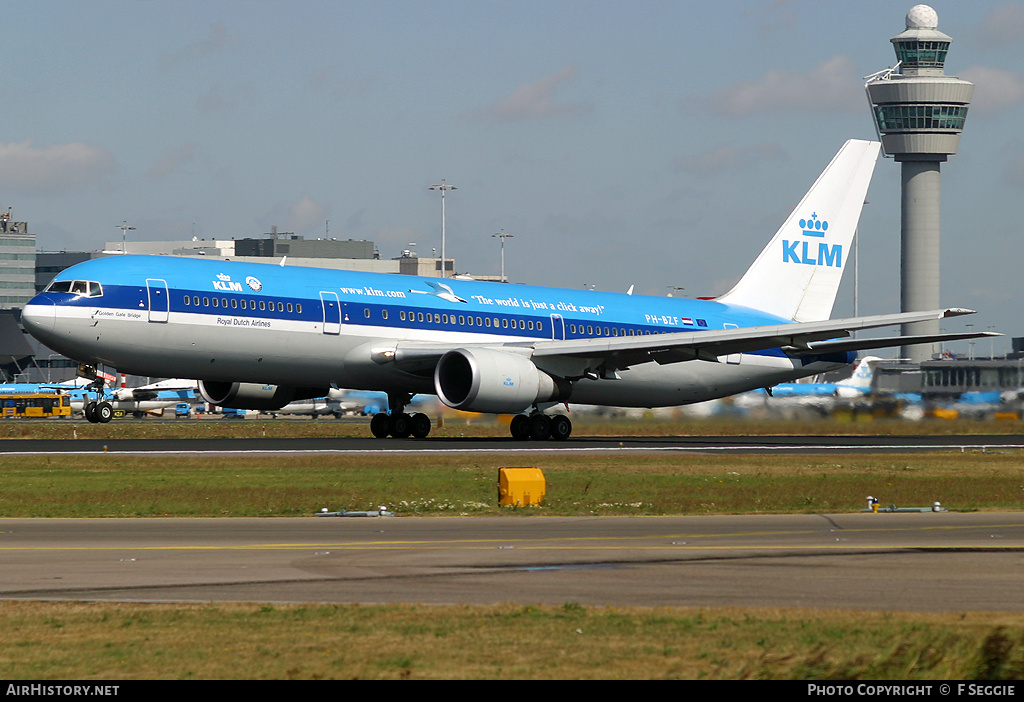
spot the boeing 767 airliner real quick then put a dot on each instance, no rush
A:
(258, 336)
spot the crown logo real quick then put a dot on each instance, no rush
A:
(814, 226)
(223, 276)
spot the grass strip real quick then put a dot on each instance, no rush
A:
(83, 641)
(116, 485)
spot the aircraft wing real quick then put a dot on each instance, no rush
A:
(621, 352)
(803, 337)
(840, 345)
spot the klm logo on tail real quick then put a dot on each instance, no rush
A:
(803, 250)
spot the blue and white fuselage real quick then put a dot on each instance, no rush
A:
(266, 334)
(322, 328)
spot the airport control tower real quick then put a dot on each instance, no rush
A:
(919, 113)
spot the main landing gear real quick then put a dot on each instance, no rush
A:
(98, 412)
(399, 424)
(540, 427)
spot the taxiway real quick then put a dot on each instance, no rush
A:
(924, 562)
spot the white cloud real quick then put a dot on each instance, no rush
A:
(171, 160)
(1013, 171)
(1004, 25)
(829, 87)
(307, 216)
(536, 100)
(218, 98)
(215, 41)
(726, 157)
(994, 88)
(55, 168)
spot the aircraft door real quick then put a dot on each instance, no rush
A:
(557, 327)
(332, 312)
(158, 300)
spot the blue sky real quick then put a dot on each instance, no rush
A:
(649, 143)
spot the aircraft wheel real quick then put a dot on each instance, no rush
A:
(380, 425)
(420, 425)
(401, 426)
(561, 427)
(90, 412)
(540, 427)
(104, 412)
(520, 427)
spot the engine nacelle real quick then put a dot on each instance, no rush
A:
(486, 380)
(255, 396)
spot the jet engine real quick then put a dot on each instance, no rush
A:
(486, 380)
(255, 396)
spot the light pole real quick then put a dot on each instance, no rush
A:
(124, 227)
(502, 235)
(443, 186)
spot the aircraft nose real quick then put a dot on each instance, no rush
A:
(38, 315)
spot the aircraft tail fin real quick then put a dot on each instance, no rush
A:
(862, 374)
(797, 275)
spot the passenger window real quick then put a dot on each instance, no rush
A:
(187, 300)
(195, 300)
(216, 302)
(280, 307)
(206, 302)
(291, 308)
(234, 303)
(298, 307)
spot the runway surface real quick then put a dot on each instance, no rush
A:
(731, 444)
(925, 562)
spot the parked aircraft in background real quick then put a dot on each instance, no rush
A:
(336, 403)
(102, 405)
(260, 336)
(856, 385)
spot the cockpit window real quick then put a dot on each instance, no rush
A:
(76, 287)
(59, 286)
